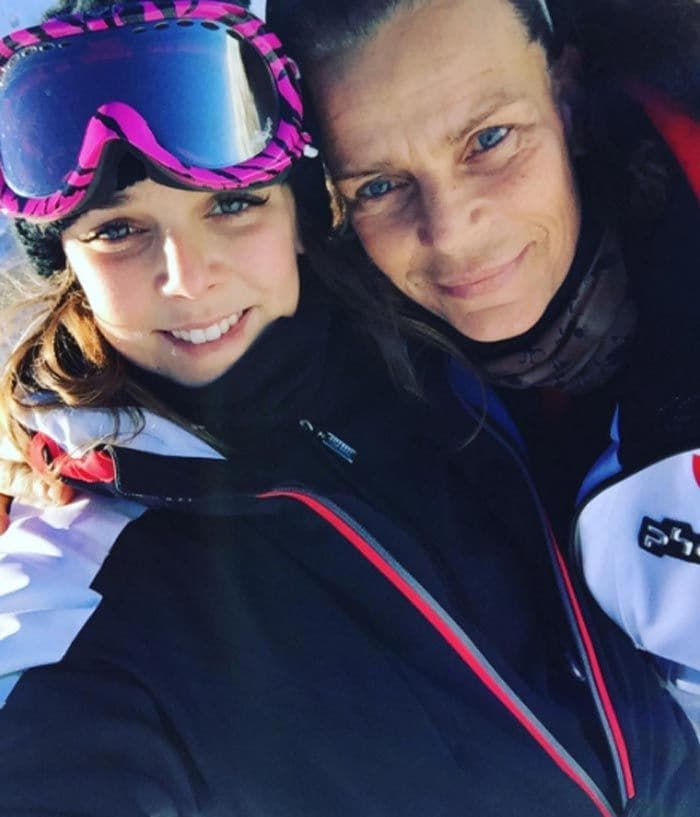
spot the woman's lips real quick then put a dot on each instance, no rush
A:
(485, 281)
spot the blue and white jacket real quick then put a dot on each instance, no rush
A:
(636, 533)
(637, 536)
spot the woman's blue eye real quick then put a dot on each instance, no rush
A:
(490, 137)
(375, 189)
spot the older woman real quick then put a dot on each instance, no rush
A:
(527, 171)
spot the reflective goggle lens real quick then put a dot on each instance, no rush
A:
(207, 96)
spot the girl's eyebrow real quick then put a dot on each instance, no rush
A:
(117, 198)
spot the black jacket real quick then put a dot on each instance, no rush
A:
(350, 615)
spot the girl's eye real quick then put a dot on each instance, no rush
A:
(230, 207)
(112, 232)
(375, 189)
(489, 138)
(237, 204)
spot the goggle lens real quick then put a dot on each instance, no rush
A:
(208, 98)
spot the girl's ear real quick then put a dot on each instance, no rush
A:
(566, 72)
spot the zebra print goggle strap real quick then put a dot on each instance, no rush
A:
(199, 91)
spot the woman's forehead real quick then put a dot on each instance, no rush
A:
(428, 73)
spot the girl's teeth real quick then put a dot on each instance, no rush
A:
(211, 333)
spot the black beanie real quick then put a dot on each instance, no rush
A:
(42, 244)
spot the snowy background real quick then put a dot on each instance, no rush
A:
(20, 13)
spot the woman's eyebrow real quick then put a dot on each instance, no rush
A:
(491, 105)
(351, 173)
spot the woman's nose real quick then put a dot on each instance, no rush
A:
(451, 213)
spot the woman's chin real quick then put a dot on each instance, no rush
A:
(497, 323)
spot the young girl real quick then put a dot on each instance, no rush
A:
(283, 588)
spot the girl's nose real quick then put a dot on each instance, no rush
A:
(186, 268)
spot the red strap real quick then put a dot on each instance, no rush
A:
(95, 466)
(696, 468)
(681, 131)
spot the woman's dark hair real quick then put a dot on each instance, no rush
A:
(656, 42)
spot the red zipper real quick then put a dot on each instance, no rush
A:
(428, 609)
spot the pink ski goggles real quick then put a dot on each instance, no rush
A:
(198, 90)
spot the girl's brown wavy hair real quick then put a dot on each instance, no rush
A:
(63, 359)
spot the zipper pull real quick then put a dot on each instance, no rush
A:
(336, 445)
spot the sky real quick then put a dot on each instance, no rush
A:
(21, 13)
